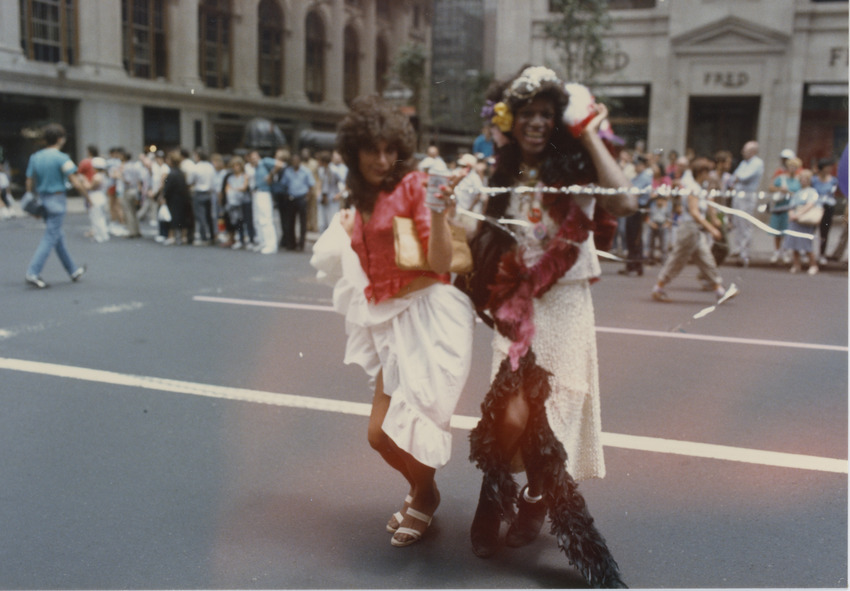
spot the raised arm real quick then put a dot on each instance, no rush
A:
(609, 172)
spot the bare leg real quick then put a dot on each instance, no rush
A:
(378, 439)
(509, 429)
(795, 265)
(426, 499)
(512, 425)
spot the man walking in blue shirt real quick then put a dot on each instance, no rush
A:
(299, 182)
(47, 171)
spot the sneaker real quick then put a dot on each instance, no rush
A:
(75, 276)
(724, 295)
(160, 238)
(659, 295)
(168, 241)
(36, 281)
(775, 258)
(237, 246)
(813, 270)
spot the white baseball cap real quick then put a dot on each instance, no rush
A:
(467, 160)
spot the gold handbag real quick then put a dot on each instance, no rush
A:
(410, 256)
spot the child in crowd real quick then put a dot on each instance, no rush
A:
(659, 223)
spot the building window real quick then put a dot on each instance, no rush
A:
(49, 30)
(314, 71)
(214, 17)
(161, 127)
(823, 122)
(143, 30)
(617, 4)
(383, 9)
(613, 4)
(382, 65)
(351, 71)
(629, 109)
(270, 35)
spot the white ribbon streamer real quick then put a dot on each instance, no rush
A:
(663, 191)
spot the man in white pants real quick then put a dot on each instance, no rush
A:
(263, 205)
(746, 180)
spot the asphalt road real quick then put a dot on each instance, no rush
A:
(182, 418)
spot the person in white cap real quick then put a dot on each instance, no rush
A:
(784, 156)
(470, 191)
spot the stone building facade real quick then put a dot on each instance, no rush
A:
(137, 73)
(707, 74)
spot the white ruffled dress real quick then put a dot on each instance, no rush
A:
(422, 342)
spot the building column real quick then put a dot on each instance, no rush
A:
(100, 36)
(335, 56)
(10, 33)
(245, 51)
(369, 52)
(183, 43)
(294, 49)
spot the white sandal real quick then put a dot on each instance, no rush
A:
(395, 521)
(415, 534)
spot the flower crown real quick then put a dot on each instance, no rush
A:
(581, 109)
(523, 87)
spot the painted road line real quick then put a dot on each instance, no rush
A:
(599, 329)
(717, 339)
(629, 442)
(263, 303)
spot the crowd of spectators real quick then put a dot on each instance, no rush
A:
(746, 188)
(229, 201)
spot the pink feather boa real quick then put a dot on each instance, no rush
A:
(515, 284)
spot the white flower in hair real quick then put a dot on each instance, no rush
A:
(581, 108)
(530, 80)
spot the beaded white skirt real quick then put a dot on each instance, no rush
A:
(565, 344)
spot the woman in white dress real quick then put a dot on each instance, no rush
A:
(410, 330)
(542, 412)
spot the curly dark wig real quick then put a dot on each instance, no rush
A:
(370, 121)
(565, 160)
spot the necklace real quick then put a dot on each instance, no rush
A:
(530, 207)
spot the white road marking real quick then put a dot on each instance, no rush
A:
(717, 339)
(600, 329)
(118, 308)
(263, 303)
(630, 442)
(8, 333)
